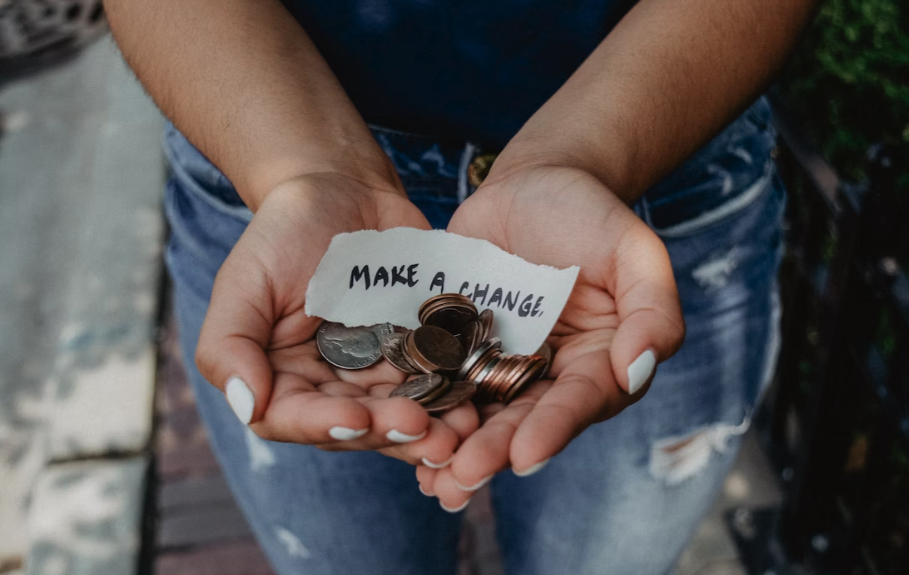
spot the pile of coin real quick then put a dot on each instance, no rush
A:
(452, 343)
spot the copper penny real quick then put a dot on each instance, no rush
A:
(471, 337)
(485, 318)
(436, 349)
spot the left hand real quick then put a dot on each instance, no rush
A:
(624, 304)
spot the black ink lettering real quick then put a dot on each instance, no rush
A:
(381, 274)
(480, 293)
(464, 286)
(496, 298)
(397, 276)
(510, 303)
(356, 274)
(411, 271)
(525, 306)
(536, 308)
(438, 280)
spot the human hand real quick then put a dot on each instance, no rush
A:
(623, 316)
(258, 346)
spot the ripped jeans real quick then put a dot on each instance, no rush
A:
(627, 494)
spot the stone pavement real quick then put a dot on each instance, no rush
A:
(81, 173)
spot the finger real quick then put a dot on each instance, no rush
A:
(300, 413)
(486, 451)
(426, 477)
(435, 450)
(451, 497)
(583, 394)
(464, 419)
(230, 352)
(651, 327)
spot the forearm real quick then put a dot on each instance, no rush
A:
(665, 80)
(246, 85)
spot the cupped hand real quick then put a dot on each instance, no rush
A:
(622, 317)
(257, 343)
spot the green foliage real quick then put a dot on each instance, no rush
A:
(848, 82)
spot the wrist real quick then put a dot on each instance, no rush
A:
(358, 174)
(605, 158)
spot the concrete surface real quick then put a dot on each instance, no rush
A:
(81, 174)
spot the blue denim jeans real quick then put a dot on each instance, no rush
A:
(622, 498)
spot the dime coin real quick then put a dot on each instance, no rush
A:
(348, 347)
(435, 349)
(460, 392)
(393, 352)
(437, 392)
(419, 387)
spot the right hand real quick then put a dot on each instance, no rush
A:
(256, 331)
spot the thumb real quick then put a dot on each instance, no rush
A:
(651, 326)
(231, 349)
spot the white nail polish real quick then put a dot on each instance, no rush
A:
(532, 469)
(429, 463)
(640, 371)
(240, 398)
(456, 509)
(345, 433)
(398, 437)
(480, 484)
(420, 487)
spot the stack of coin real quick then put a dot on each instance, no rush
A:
(449, 311)
(501, 377)
(454, 341)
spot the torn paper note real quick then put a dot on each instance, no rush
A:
(370, 277)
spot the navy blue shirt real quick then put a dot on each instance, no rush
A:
(468, 69)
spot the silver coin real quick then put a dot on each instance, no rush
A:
(420, 387)
(382, 329)
(391, 349)
(348, 347)
(460, 392)
(492, 342)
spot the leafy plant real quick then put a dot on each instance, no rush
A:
(848, 83)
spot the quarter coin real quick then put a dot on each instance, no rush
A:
(348, 347)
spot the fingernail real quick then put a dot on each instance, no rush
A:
(398, 437)
(640, 371)
(532, 469)
(346, 434)
(482, 482)
(456, 509)
(429, 463)
(240, 398)
(420, 487)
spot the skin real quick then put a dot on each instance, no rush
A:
(242, 80)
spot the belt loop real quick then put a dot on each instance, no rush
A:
(466, 158)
